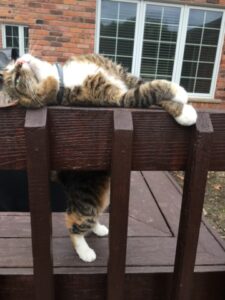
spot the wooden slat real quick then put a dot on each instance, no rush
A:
(92, 286)
(158, 143)
(120, 189)
(39, 201)
(145, 252)
(191, 210)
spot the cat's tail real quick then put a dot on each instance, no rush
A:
(168, 95)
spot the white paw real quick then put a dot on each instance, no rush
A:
(87, 254)
(188, 116)
(180, 94)
(100, 230)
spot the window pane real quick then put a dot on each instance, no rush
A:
(200, 50)
(107, 46)
(208, 54)
(8, 30)
(202, 86)
(125, 62)
(150, 49)
(188, 84)
(15, 42)
(213, 19)
(165, 67)
(169, 33)
(109, 9)
(148, 66)
(26, 32)
(15, 31)
(167, 50)
(9, 42)
(194, 35)
(189, 69)
(126, 29)
(210, 37)
(127, 11)
(117, 30)
(205, 70)
(108, 28)
(171, 15)
(152, 31)
(160, 39)
(125, 47)
(153, 13)
(191, 52)
(196, 17)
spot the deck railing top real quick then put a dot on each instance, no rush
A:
(81, 138)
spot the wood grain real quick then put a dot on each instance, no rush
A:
(39, 201)
(119, 203)
(191, 210)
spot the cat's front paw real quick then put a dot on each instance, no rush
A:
(180, 93)
(86, 254)
(100, 230)
(188, 116)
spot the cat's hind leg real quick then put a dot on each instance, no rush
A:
(78, 226)
(184, 114)
(176, 103)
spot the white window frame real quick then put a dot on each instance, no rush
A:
(181, 38)
(21, 36)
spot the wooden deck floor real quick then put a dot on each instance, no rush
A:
(153, 223)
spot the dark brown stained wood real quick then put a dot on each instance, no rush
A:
(168, 197)
(120, 190)
(92, 287)
(145, 252)
(12, 139)
(87, 135)
(150, 219)
(159, 143)
(191, 210)
(39, 201)
(149, 265)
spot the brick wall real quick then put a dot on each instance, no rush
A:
(61, 28)
(57, 28)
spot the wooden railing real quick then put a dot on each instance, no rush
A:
(121, 140)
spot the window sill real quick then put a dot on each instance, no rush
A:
(204, 100)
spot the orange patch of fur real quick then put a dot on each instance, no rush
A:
(73, 219)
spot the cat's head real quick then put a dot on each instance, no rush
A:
(19, 80)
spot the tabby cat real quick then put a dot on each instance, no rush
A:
(97, 81)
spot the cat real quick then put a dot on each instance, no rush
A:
(90, 80)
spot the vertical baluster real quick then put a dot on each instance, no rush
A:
(36, 133)
(191, 211)
(120, 188)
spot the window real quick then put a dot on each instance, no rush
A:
(117, 31)
(15, 37)
(163, 41)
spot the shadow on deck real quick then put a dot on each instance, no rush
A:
(155, 202)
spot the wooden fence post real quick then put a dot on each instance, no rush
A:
(39, 201)
(191, 210)
(120, 190)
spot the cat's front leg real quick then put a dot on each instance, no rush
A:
(81, 247)
(100, 230)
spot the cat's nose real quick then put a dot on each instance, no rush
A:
(20, 62)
